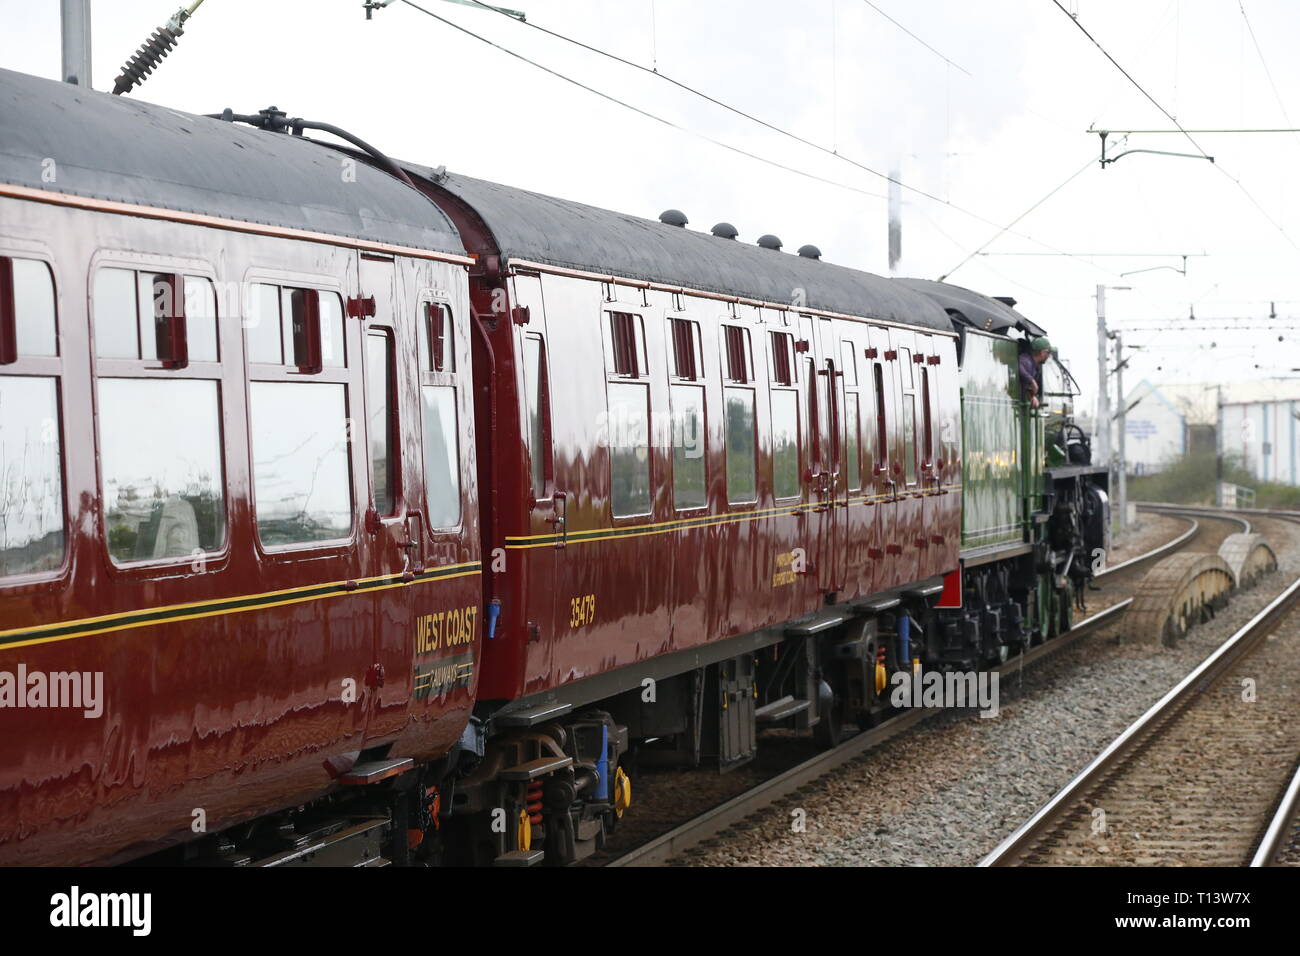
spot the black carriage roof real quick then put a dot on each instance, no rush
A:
(120, 149)
(973, 308)
(558, 232)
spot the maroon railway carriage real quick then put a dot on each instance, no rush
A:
(707, 465)
(263, 534)
(394, 522)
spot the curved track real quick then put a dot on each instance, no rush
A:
(709, 824)
(1195, 779)
(1187, 783)
(1280, 844)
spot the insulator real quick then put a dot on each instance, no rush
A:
(146, 59)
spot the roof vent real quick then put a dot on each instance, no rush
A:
(810, 252)
(1005, 300)
(770, 242)
(674, 217)
(725, 230)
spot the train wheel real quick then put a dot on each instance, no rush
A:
(830, 729)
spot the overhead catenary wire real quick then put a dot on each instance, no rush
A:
(687, 88)
(1106, 53)
(642, 112)
(717, 142)
(1267, 72)
(750, 116)
(1109, 255)
(1181, 132)
(1190, 138)
(916, 38)
(1005, 229)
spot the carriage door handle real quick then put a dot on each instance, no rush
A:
(413, 544)
(561, 520)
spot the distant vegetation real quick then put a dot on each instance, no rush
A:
(1191, 480)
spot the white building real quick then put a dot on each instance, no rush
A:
(1261, 435)
(1258, 424)
(1155, 430)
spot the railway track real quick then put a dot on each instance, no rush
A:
(1206, 528)
(1280, 844)
(1195, 779)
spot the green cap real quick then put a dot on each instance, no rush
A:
(1040, 343)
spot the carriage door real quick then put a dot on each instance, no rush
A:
(907, 467)
(929, 479)
(392, 514)
(837, 485)
(881, 487)
(545, 584)
(816, 473)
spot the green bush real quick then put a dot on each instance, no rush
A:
(1191, 481)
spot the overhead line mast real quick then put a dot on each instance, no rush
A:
(75, 16)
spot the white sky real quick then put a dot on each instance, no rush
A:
(838, 73)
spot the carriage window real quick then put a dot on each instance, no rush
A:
(882, 442)
(834, 426)
(33, 306)
(782, 362)
(785, 443)
(689, 489)
(381, 422)
(117, 330)
(31, 476)
(814, 418)
(627, 341)
(739, 361)
(535, 402)
(627, 433)
(441, 456)
(852, 440)
(201, 319)
(928, 447)
(909, 437)
(440, 416)
(160, 443)
(294, 316)
(742, 457)
(278, 327)
(262, 326)
(31, 466)
(133, 309)
(437, 345)
(331, 330)
(301, 475)
(161, 465)
(688, 360)
(155, 300)
(850, 364)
